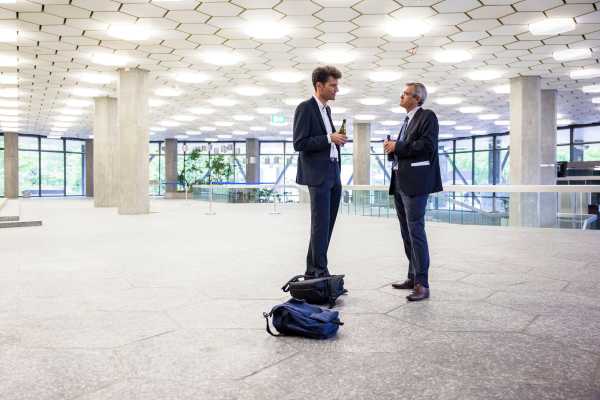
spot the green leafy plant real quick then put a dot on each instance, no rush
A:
(219, 170)
(193, 171)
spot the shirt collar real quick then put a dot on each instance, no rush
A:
(321, 105)
(412, 112)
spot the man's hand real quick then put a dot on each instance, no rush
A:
(389, 147)
(338, 139)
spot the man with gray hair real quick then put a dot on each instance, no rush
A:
(415, 174)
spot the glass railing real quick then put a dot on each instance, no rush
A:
(246, 193)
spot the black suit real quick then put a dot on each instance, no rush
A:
(322, 175)
(417, 175)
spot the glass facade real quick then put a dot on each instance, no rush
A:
(157, 169)
(1, 165)
(51, 167)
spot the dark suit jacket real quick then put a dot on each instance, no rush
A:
(310, 140)
(418, 164)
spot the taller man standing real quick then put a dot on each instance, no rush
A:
(319, 165)
(415, 174)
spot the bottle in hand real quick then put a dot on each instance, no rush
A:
(390, 156)
(342, 130)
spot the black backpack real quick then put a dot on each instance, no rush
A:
(323, 290)
(298, 318)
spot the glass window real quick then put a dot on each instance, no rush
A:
(222, 148)
(591, 152)
(75, 146)
(28, 143)
(504, 167)
(446, 168)
(483, 168)
(464, 165)
(292, 168)
(347, 169)
(29, 169)
(53, 174)
(484, 143)
(563, 136)
(1, 166)
(587, 134)
(52, 144)
(347, 148)
(271, 167)
(239, 168)
(74, 172)
(563, 153)
(240, 148)
(154, 173)
(464, 145)
(271, 148)
(289, 148)
(502, 142)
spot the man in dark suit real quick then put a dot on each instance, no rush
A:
(319, 165)
(415, 174)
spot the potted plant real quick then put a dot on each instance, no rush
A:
(193, 172)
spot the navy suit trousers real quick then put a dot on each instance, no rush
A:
(324, 205)
(411, 214)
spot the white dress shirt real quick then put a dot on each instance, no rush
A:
(333, 153)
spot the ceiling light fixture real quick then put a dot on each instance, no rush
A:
(8, 60)
(447, 123)
(110, 59)
(398, 110)
(485, 75)
(452, 56)
(372, 101)
(130, 32)
(202, 110)
(390, 123)
(267, 110)
(185, 118)
(243, 117)
(221, 58)
(488, 117)
(470, 109)
(406, 27)
(448, 101)
(78, 103)
(286, 76)
(502, 89)
(96, 78)
(250, 91)
(384, 76)
(9, 79)
(571, 54)
(365, 117)
(10, 92)
(337, 56)
(222, 102)
(552, 26)
(586, 73)
(169, 124)
(156, 102)
(191, 77)
(86, 92)
(261, 29)
(591, 89)
(168, 92)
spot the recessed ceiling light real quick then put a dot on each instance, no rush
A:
(78, 103)
(8, 35)
(591, 89)
(250, 91)
(463, 127)
(384, 76)
(96, 78)
(9, 79)
(56, 129)
(372, 101)
(156, 102)
(11, 124)
(222, 58)
(168, 92)
(10, 103)
(406, 27)
(130, 32)
(552, 26)
(110, 59)
(239, 132)
(208, 128)
(224, 136)
(448, 101)
(286, 76)
(181, 137)
(338, 110)
(390, 123)
(224, 123)
(222, 102)
(478, 132)
(261, 29)
(586, 73)
(398, 110)
(502, 89)
(470, 109)
(158, 129)
(86, 92)
(243, 117)
(9, 92)
(191, 77)
(337, 56)
(90, 136)
(169, 124)
(5, 118)
(267, 110)
(365, 117)
(9, 111)
(596, 100)
(563, 122)
(202, 110)
(193, 133)
(211, 139)
(485, 75)
(258, 128)
(502, 123)
(382, 132)
(8, 60)
(452, 56)
(447, 123)
(488, 117)
(185, 118)
(571, 54)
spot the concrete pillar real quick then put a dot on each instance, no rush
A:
(252, 160)
(11, 165)
(548, 201)
(171, 165)
(106, 153)
(525, 148)
(89, 168)
(361, 153)
(134, 144)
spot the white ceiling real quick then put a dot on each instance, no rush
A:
(56, 38)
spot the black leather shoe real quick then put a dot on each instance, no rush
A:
(419, 293)
(407, 284)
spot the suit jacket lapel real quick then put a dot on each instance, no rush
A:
(413, 123)
(316, 108)
(334, 130)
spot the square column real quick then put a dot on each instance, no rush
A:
(11, 165)
(134, 144)
(89, 168)
(252, 161)
(361, 153)
(171, 165)
(106, 153)
(548, 201)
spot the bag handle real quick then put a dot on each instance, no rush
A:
(267, 315)
(286, 287)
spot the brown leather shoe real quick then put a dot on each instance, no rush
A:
(407, 284)
(419, 293)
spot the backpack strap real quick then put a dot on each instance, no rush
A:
(286, 287)
(268, 327)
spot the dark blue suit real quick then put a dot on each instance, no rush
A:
(417, 176)
(322, 176)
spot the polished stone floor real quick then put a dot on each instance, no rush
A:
(96, 306)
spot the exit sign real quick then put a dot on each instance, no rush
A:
(278, 120)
